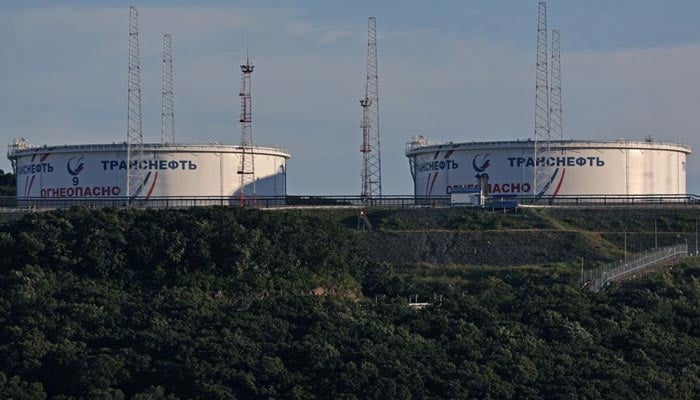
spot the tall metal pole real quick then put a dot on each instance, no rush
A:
(246, 170)
(556, 116)
(134, 137)
(366, 148)
(625, 245)
(541, 168)
(371, 149)
(656, 236)
(696, 236)
(167, 128)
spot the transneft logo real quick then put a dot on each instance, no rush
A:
(436, 165)
(481, 162)
(557, 161)
(150, 164)
(34, 168)
(74, 168)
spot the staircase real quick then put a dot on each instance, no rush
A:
(600, 278)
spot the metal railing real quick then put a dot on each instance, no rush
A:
(607, 199)
(399, 201)
(42, 203)
(599, 278)
(563, 144)
(177, 147)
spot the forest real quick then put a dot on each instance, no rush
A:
(231, 303)
(7, 184)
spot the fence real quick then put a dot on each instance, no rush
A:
(40, 203)
(599, 278)
(400, 201)
(609, 200)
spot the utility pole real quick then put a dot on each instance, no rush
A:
(370, 149)
(625, 245)
(656, 237)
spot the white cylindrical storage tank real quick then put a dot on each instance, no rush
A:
(576, 167)
(177, 170)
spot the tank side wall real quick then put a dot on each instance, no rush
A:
(585, 171)
(103, 174)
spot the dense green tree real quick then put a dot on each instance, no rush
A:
(216, 303)
(7, 184)
(16, 389)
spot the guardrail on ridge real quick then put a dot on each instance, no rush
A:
(599, 278)
(392, 201)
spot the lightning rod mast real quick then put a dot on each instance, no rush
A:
(134, 136)
(370, 149)
(246, 170)
(541, 168)
(167, 127)
(555, 110)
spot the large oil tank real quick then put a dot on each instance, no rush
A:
(577, 167)
(170, 170)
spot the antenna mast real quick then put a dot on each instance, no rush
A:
(167, 127)
(555, 110)
(247, 167)
(541, 169)
(134, 136)
(371, 155)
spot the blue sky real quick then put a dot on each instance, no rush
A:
(451, 70)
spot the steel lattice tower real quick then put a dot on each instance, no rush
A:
(371, 154)
(167, 127)
(556, 123)
(541, 169)
(134, 138)
(246, 171)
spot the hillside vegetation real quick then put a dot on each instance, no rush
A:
(531, 236)
(7, 184)
(222, 303)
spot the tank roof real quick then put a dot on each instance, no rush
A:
(22, 147)
(421, 144)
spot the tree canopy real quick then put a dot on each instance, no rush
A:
(219, 303)
(7, 184)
